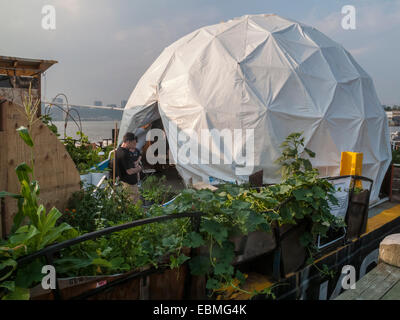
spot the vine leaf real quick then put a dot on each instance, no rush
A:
(215, 229)
(199, 265)
(193, 240)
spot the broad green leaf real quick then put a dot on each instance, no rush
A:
(224, 253)
(171, 241)
(116, 262)
(193, 240)
(29, 274)
(303, 194)
(71, 263)
(240, 276)
(199, 265)
(318, 192)
(223, 269)
(4, 194)
(254, 220)
(182, 258)
(18, 294)
(215, 229)
(9, 285)
(24, 134)
(19, 217)
(23, 171)
(24, 234)
(54, 234)
(10, 265)
(212, 284)
(102, 263)
(50, 219)
(309, 152)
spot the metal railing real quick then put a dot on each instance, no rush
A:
(49, 251)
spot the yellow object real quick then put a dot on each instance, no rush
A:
(351, 164)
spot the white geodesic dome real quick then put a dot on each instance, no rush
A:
(273, 75)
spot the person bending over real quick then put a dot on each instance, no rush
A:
(125, 167)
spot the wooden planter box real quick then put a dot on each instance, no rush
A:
(289, 254)
(163, 284)
(72, 287)
(396, 178)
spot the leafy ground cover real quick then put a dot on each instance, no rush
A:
(229, 211)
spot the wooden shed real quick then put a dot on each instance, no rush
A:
(54, 169)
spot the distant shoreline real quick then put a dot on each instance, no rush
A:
(96, 130)
(89, 120)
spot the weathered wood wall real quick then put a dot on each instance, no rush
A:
(54, 169)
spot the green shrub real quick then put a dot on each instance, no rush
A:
(93, 209)
(155, 189)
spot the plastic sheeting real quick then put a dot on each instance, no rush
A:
(272, 75)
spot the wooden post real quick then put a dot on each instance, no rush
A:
(115, 143)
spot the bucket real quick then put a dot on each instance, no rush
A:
(86, 180)
(97, 176)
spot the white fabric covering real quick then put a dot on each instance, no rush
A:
(271, 74)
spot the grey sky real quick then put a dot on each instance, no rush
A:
(104, 47)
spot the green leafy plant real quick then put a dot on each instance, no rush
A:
(96, 208)
(37, 233)
(229, 212)
(155, 189)
(291, 161)
(131, 249)
(48, 121)
(234, 210)
(396, 156)
(84, 154)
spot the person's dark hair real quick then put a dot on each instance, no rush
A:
(129, 136)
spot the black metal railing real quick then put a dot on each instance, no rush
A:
(50, 250)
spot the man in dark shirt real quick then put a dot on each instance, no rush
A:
(126, 169)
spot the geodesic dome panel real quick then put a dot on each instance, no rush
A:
(272, 75)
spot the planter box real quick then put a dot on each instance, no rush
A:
(253, 245)
(71, 287)
(162, 284)
(291, 254)
(357, 215)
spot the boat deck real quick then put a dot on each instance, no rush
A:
(378, 216)
(381, 283)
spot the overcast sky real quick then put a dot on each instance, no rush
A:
(103, 47)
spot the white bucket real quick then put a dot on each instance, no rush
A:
(86, 179)
(97, 176)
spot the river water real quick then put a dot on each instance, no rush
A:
(95, 130)
(99, 130)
